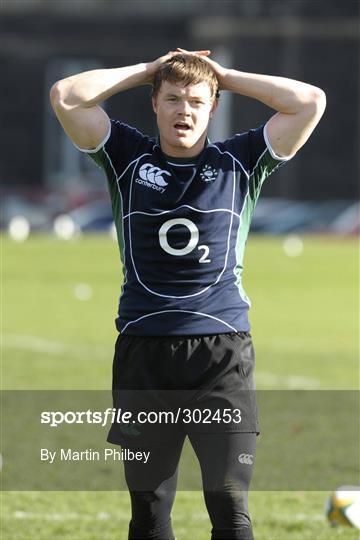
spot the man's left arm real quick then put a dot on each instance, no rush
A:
(299, 105)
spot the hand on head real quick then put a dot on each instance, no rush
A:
(152, 67)
(219, 70)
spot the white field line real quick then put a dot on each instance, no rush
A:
(50, 347)
(105, 516)
(59, 348)
(306, 518)
(292, 382)
(69, 516)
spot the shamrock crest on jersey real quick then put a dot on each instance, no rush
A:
(208, 174)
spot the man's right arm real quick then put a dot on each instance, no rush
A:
(76, 99)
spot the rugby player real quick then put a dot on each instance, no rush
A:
(182, 207)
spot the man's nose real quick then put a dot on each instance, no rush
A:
(184, 107)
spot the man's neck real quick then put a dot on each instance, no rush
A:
(182, 160)
(183, 155)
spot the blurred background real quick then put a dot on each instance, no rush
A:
(43, 177)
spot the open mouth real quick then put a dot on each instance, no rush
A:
(183, 126)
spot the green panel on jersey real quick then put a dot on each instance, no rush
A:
(265, 166)
(102, 159)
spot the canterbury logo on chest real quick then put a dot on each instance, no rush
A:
(152, 177)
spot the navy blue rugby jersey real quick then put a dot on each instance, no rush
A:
(182, 226)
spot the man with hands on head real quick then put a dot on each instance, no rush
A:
(182, 206)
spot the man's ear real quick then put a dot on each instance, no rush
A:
(154, 103)
(214, 107)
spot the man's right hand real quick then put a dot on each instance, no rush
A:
(76, 100)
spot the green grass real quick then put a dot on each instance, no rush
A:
(305, 321)
(104, 516)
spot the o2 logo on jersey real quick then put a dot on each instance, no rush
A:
(152, 177)
(179, 253)
(191, 245)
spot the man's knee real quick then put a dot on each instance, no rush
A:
(228, 511)
(162, 532)
(151, 515)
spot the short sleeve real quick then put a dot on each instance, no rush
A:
(120, 146)
(263, 161)
(254, 152)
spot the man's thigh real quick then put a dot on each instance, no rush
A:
(226, 459)
(158, 467)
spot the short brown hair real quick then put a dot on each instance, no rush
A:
(186, 69)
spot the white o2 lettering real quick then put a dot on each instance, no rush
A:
(194, 236)
(203, 258)
(194, 239)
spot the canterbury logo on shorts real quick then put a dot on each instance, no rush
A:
(152, 177)
(246, 459)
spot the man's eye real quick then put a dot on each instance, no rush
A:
(171, 99)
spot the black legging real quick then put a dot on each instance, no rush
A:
(225, 476)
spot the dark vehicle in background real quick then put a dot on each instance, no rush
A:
(281, 216)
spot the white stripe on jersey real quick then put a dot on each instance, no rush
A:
(233, 157)
(182, 206)
(178, 311)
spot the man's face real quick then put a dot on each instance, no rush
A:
(183, 114)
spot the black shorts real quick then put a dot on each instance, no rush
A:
(169, 386)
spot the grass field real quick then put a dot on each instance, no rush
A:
(58, 305)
